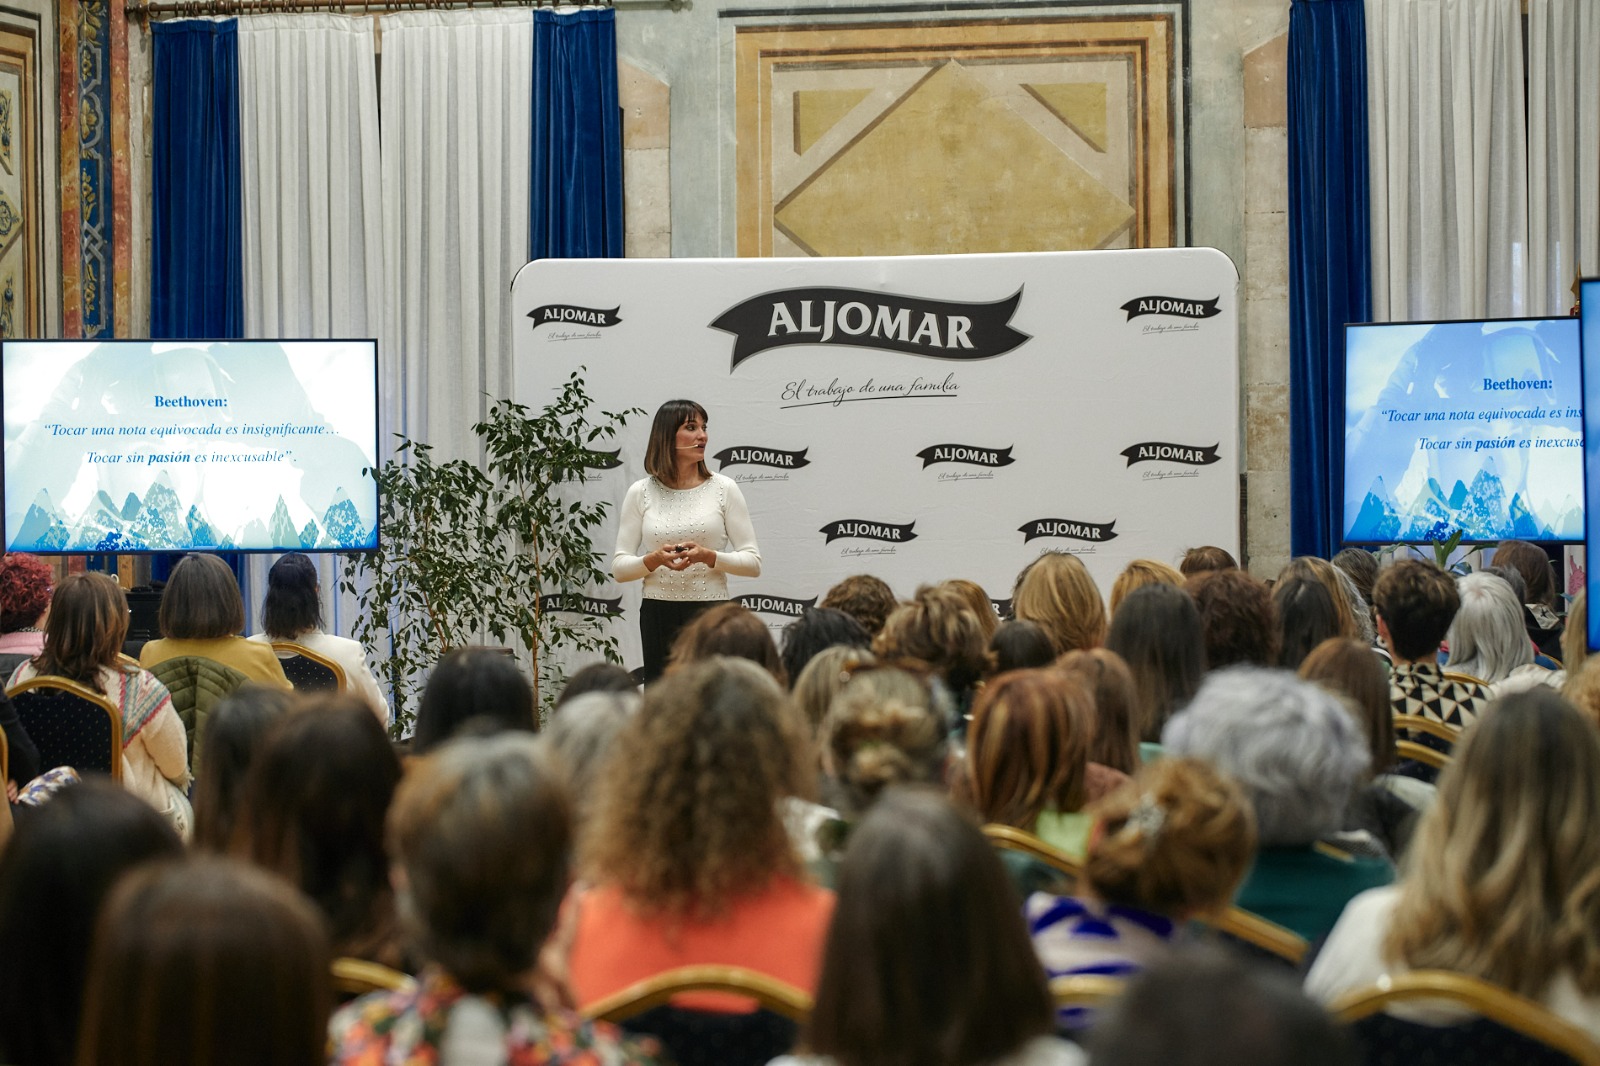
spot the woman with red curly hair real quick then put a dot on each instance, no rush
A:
(25, 586)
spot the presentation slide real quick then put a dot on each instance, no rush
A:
(130, 446)
(1476, 426)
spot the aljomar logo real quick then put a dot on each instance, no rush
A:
(1156, 450)
(789, 608)
(1067, 527)
(864, 530)
(578, 316)
(776, 457)
(604, 460)
(1171, 305)
(944, 329)
(572, 603)
(965, 453)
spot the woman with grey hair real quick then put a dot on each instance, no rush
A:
(1299, 755)
(1487, 639)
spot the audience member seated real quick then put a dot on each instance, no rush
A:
(1582, 689)
(1487, 639)
(292, 612)
(821, 680)
(1206, 559)
(54, 874)
(22, 755)
(927, 959)
(480, 838)
(1416, 602)
(818, 629)
(867, 599)
(1504, 878)
(1157, 632)
(202, 615)
(887, 726)
(687, 854)
(1141, 573)
(1575, 635)
(1306, 618)
(732, 630)
(596, 677)
(312, 812)
(1116, 729)
(1171, 846)
(580, 738)
(939, 629)
(233, 734)
(83, 639)
(25, 586)
(979, 601)
(1237, 617)
(1028, 756)
(1019, 645)
(473, 683)
(1298, 754)
(1541, 615)
(1056, 591)
(1201, 1007)
(1361, 567)
(1388, 804)
(207, 961)
(1341, 590)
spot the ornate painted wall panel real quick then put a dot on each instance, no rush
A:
(973, 135)
(22, 219)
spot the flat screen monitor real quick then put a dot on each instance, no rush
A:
(1474, 426)
(146, 446)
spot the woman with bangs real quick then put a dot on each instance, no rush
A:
(683, 530)
(1503, 882)
(686, 854)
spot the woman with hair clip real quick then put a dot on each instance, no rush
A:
(683, 530)
(292, 612)
(83, 639)
(1503, 881)
(927, 961)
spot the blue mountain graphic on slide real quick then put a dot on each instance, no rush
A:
(1481, 511)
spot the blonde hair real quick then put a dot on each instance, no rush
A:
(1504, 875)
(884, 728)
(1326, 574)
(1575, 637)
(821, 679)
(1582, 688)
(939, 628)
(979, 601)
(1028, 746)
(1177, 840)
(1056, 591)
(1138, 574)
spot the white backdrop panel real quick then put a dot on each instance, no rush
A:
(970, 413)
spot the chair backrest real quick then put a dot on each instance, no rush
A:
(306, 670)
(1410, 749)
(1465, 679)
(357, 977)
(197, 685)
(1011, 838)
(710, 1038)
(5, 758)
(71, 725)
(1259, 933)
(1417, 723)
(1507, 1028)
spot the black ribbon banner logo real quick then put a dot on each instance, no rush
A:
(1002, 607)
(865, 530)
(1161, 451)
(1171, 305)
(944, 329)
(578, 316)
(1067, 527)
(572, 603)
(604, 460)
(789, 608)
(762, 457)
(965, 453)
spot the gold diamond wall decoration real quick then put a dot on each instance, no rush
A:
(816, 111)
(1081, 106)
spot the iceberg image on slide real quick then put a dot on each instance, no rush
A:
(1480, 510)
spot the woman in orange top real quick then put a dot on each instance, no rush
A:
(687, 854)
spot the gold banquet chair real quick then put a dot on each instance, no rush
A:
(704, 1037)
(357, 977)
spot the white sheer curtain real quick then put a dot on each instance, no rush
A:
(1448, 155)
(1563, 149)
(312, 202)
(457, 100)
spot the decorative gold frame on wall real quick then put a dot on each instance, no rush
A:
(22, 218)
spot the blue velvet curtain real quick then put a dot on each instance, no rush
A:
(577, 137)
(197, 247)
(1330, 263)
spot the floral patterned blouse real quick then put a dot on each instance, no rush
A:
(408, 1028)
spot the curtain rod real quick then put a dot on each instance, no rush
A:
(210, 8)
